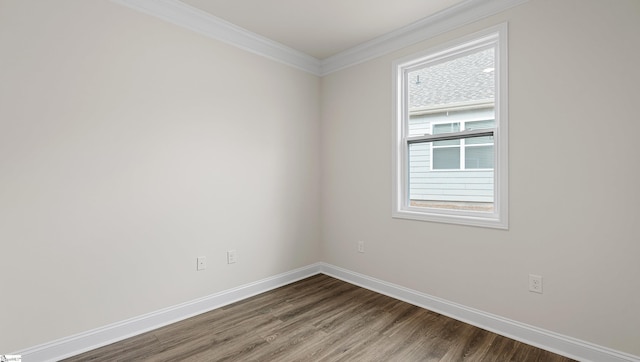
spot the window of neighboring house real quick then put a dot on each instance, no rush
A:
(462, 154)
(450, 133)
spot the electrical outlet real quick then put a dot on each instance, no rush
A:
(232, 257)
(360, 246)
(201, 263)
(535, 283)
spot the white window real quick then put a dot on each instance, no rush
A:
(450, 132)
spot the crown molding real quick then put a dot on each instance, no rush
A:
(456, 16)
(186, 16)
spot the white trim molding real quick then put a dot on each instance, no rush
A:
(454, 17)
(491, 38)
(74, 345)
(547, 340)
(186, 16)
(554, 342)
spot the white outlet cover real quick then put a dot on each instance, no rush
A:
(201, 263)
(231, 257)
(535, 283)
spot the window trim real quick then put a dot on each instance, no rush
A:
(494, 36)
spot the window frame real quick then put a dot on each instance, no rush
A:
(493, 37)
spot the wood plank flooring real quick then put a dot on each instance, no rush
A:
(319, 319)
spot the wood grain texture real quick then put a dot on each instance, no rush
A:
(319, 319)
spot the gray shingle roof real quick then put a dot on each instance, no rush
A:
(459, 80)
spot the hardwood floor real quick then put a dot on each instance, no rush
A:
(319, 319)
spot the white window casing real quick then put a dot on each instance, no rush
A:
(492, 38)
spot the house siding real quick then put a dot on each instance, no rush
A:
(446, 185)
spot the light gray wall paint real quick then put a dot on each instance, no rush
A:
(574, 196)
(120, 164)
(124, 142)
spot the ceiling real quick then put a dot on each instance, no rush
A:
(321, 28)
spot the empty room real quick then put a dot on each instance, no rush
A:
(342, 180)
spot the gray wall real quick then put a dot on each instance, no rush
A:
(124, 141)
(124, 145)
(574, 192)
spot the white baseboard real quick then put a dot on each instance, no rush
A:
(74, 345)
(550, 341)
(560, 344)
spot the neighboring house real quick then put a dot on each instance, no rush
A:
(448, 97)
